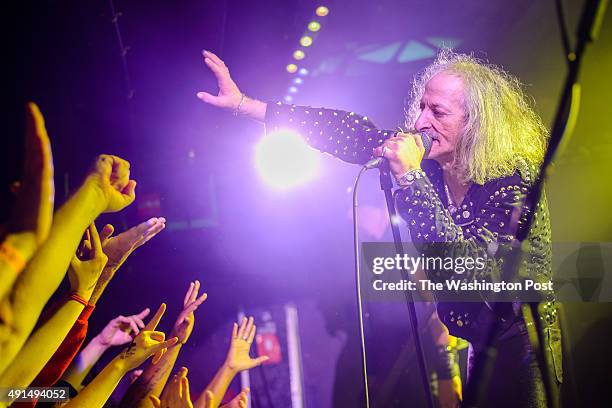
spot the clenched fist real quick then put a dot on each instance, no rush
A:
(111, 178)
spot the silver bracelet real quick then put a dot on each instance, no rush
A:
(410, 177)
(237, 110)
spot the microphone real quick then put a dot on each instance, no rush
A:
(377, 161)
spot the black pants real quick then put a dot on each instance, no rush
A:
(516, 380)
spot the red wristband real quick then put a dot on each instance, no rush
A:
(78, 298)
(12, 257)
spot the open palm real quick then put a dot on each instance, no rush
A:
(238, 358)
(118, 248)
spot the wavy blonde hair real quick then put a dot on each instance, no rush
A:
(502, 133)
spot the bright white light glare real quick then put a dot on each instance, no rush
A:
(303, 71)
(298, 81)
(293, 89)
(284, 160)
(288, 98)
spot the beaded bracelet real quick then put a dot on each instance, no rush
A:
(237, 110)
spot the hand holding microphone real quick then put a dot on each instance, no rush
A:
(404, 151)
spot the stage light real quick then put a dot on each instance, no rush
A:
(306, 41)
(298, 54)
(298, 81)
(291, 68)
(314, 26)
(303, 71)
(322, 11)
(288, 98)
(284, 160)
(292, 89)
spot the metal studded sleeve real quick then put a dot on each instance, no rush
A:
(349, 136)
(480, 226)
(483, 219)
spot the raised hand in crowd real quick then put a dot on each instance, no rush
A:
(106, 188)
(84, 271)
(183, 326)
(237, 360)
(122, 329)
(32, 214)
(87, 265)
(110, 179)
(119, 248)
(119, 331)
(146, 344)
(176, 394)
(154, 377)
(240, 400)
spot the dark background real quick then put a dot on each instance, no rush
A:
(251, 246)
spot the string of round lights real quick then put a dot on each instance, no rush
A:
(296, 66)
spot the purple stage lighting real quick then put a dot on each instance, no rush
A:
(284, 160)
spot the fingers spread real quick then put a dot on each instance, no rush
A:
(213, 57)
(206, 97)
(106, 233)
(242, 328)
(188, 294)
(248, 328)
(251, 334)
(153, 231)
(132, 325)
(95, 240)
(155, 401)
(186, 396)
(168, 343)
(152, 325)
(260, 360)
(157, 336)
(144, 313)
(208, 398)
(194, 293)
(138, 321)
(201, 299)
(158, 355)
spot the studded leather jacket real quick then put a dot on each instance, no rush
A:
(482, 218)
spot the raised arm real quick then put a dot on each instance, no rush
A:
(33, 209)
(237, 360)
(120, 247)
(176, 394)
(349, 136)
(148, 342)
(117, 249)
(84, 271)
(107, 188)
(117, 332)
(154, 377)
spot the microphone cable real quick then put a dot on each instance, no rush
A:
(358, 283)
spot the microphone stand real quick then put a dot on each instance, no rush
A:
(565, 118)
(386, 184)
